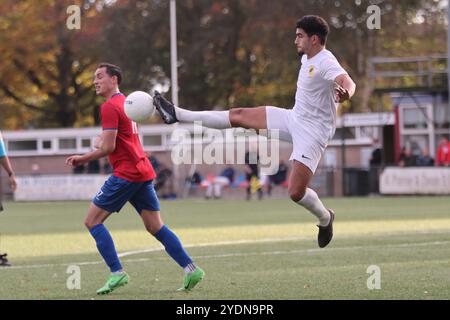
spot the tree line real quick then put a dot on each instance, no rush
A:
(231, 52)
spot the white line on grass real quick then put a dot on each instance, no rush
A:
(215, 244)
(266, 240)
(237, 254)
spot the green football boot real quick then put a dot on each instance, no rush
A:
(192, 279)
(114, 282)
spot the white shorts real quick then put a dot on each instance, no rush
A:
(306, 149)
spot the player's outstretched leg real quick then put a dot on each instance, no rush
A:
(154, 225)
(165, 108)
(171, 114)
(105, 245)
(249, 118)
(300, 177)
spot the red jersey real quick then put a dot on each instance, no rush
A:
(128, 159)
(443, 154)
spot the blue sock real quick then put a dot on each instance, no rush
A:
(173, 246)
(105, 246)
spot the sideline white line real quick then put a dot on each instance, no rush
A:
(236, 254)
(268, 240)
(215, 244)
(239, 254)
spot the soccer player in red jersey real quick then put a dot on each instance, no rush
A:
(443, 153)
(131, 181)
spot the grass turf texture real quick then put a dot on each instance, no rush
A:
(249, 250)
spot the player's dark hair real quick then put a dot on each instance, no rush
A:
(314, 25)
(112, 70)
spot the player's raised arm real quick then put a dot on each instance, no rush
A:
(345, 87)
(106, 146)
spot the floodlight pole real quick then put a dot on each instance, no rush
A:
(174, 78)
(173, 51)
(448, 52)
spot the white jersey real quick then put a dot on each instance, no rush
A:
(315, 105)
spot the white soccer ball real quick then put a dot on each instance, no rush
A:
(139, 106)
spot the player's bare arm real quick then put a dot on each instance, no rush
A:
(98, 142)
(345, 88)
(6, 164)
(106, 144)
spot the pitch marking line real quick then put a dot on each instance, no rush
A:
(237, 254)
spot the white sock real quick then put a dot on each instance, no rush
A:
(190, 268)
(209, 119)
(312, 203)
(117, 273)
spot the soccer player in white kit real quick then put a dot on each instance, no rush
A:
(310, 125)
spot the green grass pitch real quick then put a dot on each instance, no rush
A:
(249, 250)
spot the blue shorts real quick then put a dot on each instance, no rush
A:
(116, 192)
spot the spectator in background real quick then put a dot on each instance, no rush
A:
(425, 160)
(225, 179)
(79, 169)
(278, 178)
(6, 164)
(443, 153)
(93, 166)
(196, 178)
(407, 159)
(376, 156)
(401, 161)
(107, 166)
(154, 161)
(375, 163)
(162, 181)
(252, 173)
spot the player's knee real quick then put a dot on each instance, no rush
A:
(297, 194)
(150, 229)
(90, 223)
(153, 229)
